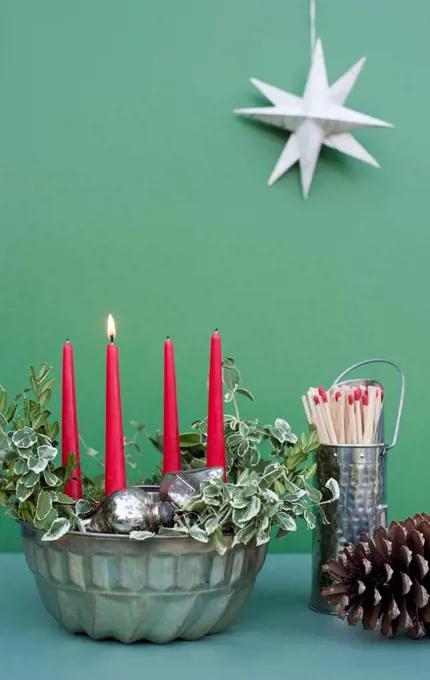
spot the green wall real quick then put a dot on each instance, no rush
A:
(127, 186)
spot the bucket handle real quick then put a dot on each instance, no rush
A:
(402, 389)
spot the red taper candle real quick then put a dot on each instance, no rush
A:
(115, 462)
(215, 456)
(69, 423)
(171, 450)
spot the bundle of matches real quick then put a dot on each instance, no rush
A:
(345, 414)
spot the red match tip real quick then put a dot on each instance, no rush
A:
(365, 399)
(357, 394)
(337, 396)
(321, 392)
(324, 397)
(350, 399)
(316, 400)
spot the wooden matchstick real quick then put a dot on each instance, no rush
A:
(334, 407)
(327, 415)
(377, 415)
(307, 410)
(352, 429)
(357, 400)
(321, 426)
(370, 416)
(340, 400)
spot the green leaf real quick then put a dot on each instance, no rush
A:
(219, 542)
(210, 490)
(238, 502)
(20, 467)
(250, 490)
(63, 498)
(234, 439)
(244, 515)
(243, 476)
(46, 452)
(189, 439)
(289, 497)
(293, 460)
(49, 519)
(244, 535)
(48, 385)
(58, 528)
(333, 487)
(22, 492)
(44, 371)
(254, 437)
(24, 438)
(54, 430)
(272, 472)
(30, 479)
(83, 508)
(252, 457)
(243, 447)
(38, 420)
(313, 494)
(37, 464)
(33, 383)
(198, 534)
(285, 429)
(50, 478)
(10, 455)
(278, 487)
(141, 535)
(45, 397)
(228, 397)
(3, 401)
(11, 411)
(285, 521)
(231, 377)
(309, 472)
(310, 519)
(263, 523)
(262, 537)
(228, 362)
(44, 505)
(211, 525)
(245, 392)
(173, 531)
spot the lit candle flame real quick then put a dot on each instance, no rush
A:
(111, 328)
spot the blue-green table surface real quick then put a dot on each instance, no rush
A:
(277, 635)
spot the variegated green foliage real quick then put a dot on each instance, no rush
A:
(251, 507)
(245, 439)
(31, 481)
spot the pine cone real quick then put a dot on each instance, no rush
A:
(385, 582)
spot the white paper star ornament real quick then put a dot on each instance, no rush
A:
(317, 118)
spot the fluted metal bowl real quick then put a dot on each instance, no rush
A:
(161, 589)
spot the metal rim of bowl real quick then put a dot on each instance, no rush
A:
(96, 535)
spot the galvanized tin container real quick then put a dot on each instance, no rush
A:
(108, 586)
(362, 507)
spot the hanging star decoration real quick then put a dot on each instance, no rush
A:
(316, 119)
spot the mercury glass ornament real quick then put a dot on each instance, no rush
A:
(130, 510)
(180, 486)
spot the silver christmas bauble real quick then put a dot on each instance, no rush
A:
(179, 487)
(130, 510)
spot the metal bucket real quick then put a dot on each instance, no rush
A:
(360, 471)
